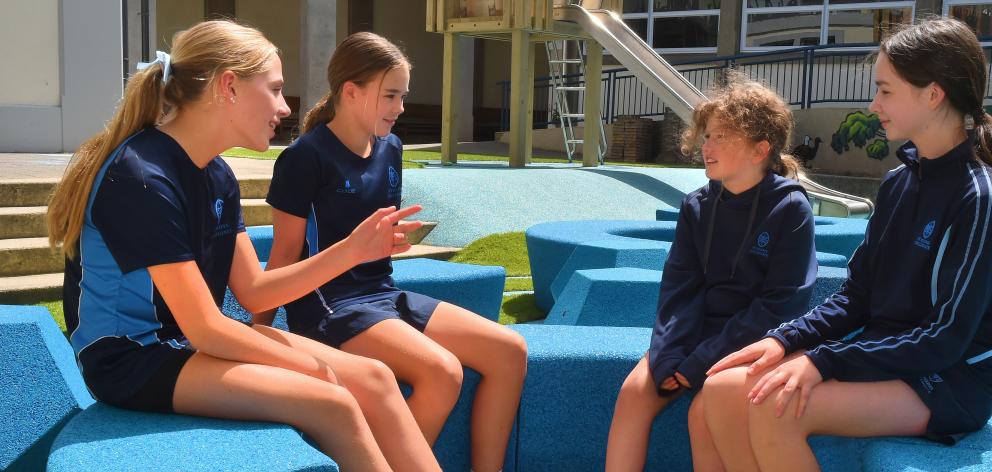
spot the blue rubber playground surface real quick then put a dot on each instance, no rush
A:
(472, 200)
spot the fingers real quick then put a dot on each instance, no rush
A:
(400, 249)
(734, 359)
(761, 364)
(670, 384)
(399, 239)
(407, 226)
(768, 383)
(803, 400)
(785, 396)
(395, 216)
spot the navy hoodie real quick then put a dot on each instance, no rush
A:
(739, 266)
(921, 283)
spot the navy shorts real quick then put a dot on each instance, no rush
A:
(119, 373)
(349, 318)
(958, 403)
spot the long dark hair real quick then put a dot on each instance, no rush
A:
(946, 52)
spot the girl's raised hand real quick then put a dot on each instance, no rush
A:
(760, 354)
(796, 374)
(382, 234)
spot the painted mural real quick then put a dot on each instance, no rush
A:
(863, 131)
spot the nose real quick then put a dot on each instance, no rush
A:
(401, 107)
(282, 110)
(873, 106)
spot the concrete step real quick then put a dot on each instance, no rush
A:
(28, 256)
(26, 192)
(29, 222)
(22, 222)
(35, 192)
(31, 289)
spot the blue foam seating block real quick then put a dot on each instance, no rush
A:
(973, 454)
(608, 297)
(549, 245)
(106, 438)
(573, 379)
(40, 383)
(833, 235)
(609, 253)
(629, 296)
(261, 238)
(477, 288)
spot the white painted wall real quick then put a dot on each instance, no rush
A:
(29, 52)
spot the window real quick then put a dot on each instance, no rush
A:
(777, 24)
(977, 15)
(675, 25)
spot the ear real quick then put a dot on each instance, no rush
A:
(225, 85)
(761, 151)
(936, 95)
(350, 90)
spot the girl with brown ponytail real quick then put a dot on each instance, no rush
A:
(150, 221)
(344, 166)
(902, 349)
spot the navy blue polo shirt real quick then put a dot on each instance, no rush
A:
(318, 178)
(150, 205)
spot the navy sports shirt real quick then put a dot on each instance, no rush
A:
(320, 179)
(149, 205)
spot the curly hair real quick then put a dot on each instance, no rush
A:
(753, 110)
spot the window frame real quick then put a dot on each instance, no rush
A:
(824, 11)
(650, 15)
(947, 4)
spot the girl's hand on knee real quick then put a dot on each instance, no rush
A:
(797, 374)
(382, 234)
(670, 384)
(761, 354)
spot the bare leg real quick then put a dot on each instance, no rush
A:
(208, 386)
(374, 387)
(861, 409)
(637, 405)
(500, 355)
(705, 457)
(434, 373)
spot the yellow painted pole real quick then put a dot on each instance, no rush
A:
(529, 137)
(449, 100)
(593, 108)
(521, 87)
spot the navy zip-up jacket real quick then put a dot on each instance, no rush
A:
(739, 266)
(921, 283)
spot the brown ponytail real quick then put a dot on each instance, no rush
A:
(198, 55)
(358, 59)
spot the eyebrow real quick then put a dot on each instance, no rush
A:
(401, 92)
(881, 82)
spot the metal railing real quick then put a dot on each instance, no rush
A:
(804, 77)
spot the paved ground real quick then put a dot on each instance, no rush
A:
(475, 199)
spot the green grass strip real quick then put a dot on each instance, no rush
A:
(518, 285)
(519, 309)
(502, 249)
(55, 309)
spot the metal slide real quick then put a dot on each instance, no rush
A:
(609, 30)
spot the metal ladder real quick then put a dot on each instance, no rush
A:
(561, 91)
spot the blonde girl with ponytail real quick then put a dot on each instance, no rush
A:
(150, 221)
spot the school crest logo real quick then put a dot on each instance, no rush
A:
(219, 208)
(394, 177)
(760, 247)
(923, 241)
(347, 188)
(763, 239)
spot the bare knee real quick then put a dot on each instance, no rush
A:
(639, 397)
(440, 374)
(696, 419)
(332, 403)
(511, 361)
(376, 381)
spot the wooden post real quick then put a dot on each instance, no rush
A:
(449, 100)
(521, 87)
(593, 108)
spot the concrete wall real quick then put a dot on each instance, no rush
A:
(67, 73)
(173, 16)
(402, 22)
(280, 22)
(823, 123)
(33, 74)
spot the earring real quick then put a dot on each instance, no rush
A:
(233, 99)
